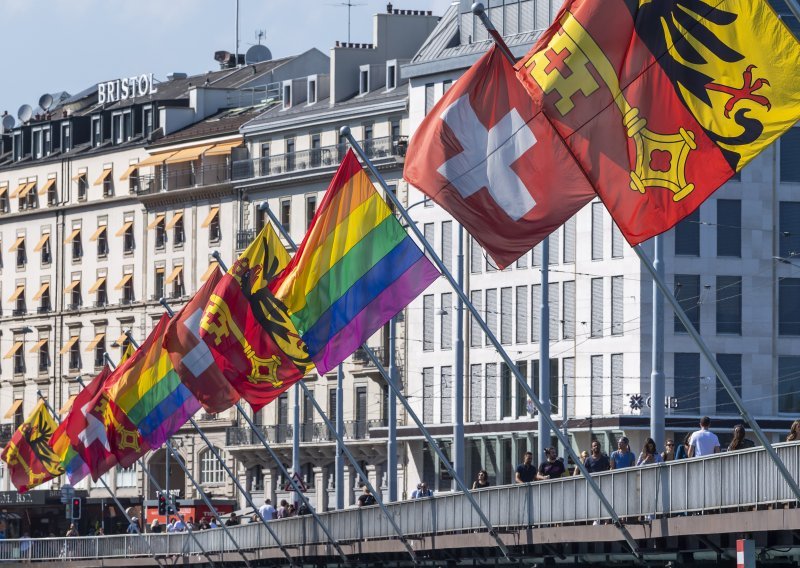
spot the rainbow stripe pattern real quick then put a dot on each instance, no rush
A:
(355, 269)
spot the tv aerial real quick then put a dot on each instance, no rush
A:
(349, 5)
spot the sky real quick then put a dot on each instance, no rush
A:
(70, 45)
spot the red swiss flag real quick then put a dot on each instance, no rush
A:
(487, 154)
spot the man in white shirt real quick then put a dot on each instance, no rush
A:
(703, 442)
(267, 511)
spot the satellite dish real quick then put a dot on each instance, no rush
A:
(25, 113)
(8, 122)
(46, 101)
(257, 54)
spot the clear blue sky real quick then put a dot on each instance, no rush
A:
(69, 45)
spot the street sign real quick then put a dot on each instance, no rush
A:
(300, 484)
(67, 493)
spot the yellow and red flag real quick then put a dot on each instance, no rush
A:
(248, 330)
(31, 461)
(662, 102)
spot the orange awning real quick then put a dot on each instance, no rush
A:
(68, 345)
(42, 289)
(67, 405)
(72, 235)
(124, 281)
(174, 274)
(46, 187)
(72, 285)
(127, 173)
(22, 185)
(209, 271)
(154, 223)
(188, 154)
(3, 188)
(38, 345)
(77, 177)
(174, 221)
(97, 233)
(223, 148)
(96, 286)
(125, 227)
(16, 244)
(156, 159)
(26, 190)
(14, 348)
(17, 293)
(122, 338)
(97, 339)
(210, 217)
(103, 176)
(13, 410)
(40, 245)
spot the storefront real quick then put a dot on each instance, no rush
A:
(191, 509)
(39, 513)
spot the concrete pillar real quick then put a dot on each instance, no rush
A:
(372, 474)
(350, 482)
(320, 486)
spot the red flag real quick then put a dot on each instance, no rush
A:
(31, 461)
(191, 356)
(487, 154)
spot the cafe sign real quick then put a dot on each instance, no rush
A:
(127, 88)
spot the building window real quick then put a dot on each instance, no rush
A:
(291, 156)
(158, 283)
(83, 186)
(147, 121)
(553, 381)
(687, 292)
(101, 236)
(446, 414)
(687, 235)
(597, 308)
(127, 289)
(211, 470)
(74, 353)
(427, 322)
(127, 238)
(311, 96)
(315, 157)
(43, 296)
(789, 223)
(19, 248)
(568, 322)
(363, 83)
(178, 233)
(311, 209)
(597, 231)
(536, 310)
(160, 232)
(287, 96)
(74, 291)
(789, 150)
(596, 386)
(286, 214)
(729, 227)
(66, 138)
(491, 312)
(506, 391)
(789, 306)
(391, 76)
(176, 279)
(731, 364)
(686, 369)
(428, 395)
(97, 131)
(52, 193)
(98, 348)
(521, 335)
(729, 304)
(18, 355)
(446, 329)
(126, 477)
(18, 297)
(475, 332)
(100, 289)
(617, 242)
(506, 311)
(789, 384)
(43, 355)
(429, 98)
(76, 243)
(617, 305)
(617, 375)
(491, 391)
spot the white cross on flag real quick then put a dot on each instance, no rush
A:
(488, 155)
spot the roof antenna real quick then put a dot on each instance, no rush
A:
(349, 4)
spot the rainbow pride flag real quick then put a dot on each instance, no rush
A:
(355, 269)
(148, 390)
(74, 466)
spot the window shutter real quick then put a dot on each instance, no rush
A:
(522, 314)
(537, 255)
(427, 323)
(597, 385)
(447, 396)
(555, 314)
(447, 320)
(616, 383)
(491, 311)
(506, 323)
(617, 319)
(552, 248)
(568, 290)
(429, 230)
(542, 14)
(491, 391)
(569, 379)
(475, 331)
(569, 240)
(536, 299)
(447, 244)
(597, 231)
(597, 307)
(427, 395)
(475, 392)
(475, 257)
(616, 241)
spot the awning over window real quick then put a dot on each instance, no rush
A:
(124, 281)
(96, 235)
(14, 348)
(127, 173)
(174, 274)
(13, 410)
(156, 159)
(71, 286)
(19, 188)
(97, 339)
(42, 240)
(23, 193)
(17, 293)
(68, 345)
(16, 244)
(103, 176)
(121, 339)
(188, 154)
(125, 227)
(40, 292)
(174, 221)
(210, 217)
(79, 176)
(46, 187)
(67, 405)
(72, 235)
(38, 345)
(3, 189)
(154, 223)
(224, 148)
(209, 271)
(96, 286)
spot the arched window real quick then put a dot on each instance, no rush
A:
(210, 469)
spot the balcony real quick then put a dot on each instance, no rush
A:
(182, 177)
(310, 432)
(74, 306)
(244, 237)
(100, 303)
(6, 431)
(360, 357)
(16, 312)
(43, 309)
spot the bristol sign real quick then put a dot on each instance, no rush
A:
(127, 88)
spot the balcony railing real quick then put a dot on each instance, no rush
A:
(360, 356)
(6, 431)
(19, 312)
(43, 309)
(244, 237)
(309, 432)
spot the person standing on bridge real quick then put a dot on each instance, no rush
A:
(794, 432)
(421, 491)
(622, 457)
(267, 511)
(649, 453)
(740, 441)
(597, 461)
(526, 472)
(703, 442)
(552, 468)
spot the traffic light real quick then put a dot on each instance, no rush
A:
(162, 503)
(171, 505)
(76, 508)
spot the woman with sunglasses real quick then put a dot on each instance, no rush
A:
(482, 481)
(649, 453)
(669, 451)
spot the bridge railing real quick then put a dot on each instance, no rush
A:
(722, 482)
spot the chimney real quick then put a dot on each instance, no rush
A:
(389, 8)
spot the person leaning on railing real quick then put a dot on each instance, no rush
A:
(794, 432)
(649, 453)
(739, 442)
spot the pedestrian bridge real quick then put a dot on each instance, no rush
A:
(688, 511)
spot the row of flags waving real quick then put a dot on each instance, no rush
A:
(650, 106)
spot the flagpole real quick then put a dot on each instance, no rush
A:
(544, 349)
(657, 389)
(399, 395)
(794, 8)
(203, 496)
(391, 415)
(345, 131)
(152, 479)
(103, 482)
(260, 435)
(723, 378)
(224, 465)
(362, 474)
